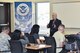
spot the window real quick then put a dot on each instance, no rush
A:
(43, 16)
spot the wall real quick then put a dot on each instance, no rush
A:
(66, 1)
(6, 1)
(69, 13)
(68, 30)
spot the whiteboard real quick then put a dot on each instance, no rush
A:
(68, 13)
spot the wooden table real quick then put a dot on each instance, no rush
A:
(37, 46)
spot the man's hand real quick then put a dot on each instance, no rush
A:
(48, 26)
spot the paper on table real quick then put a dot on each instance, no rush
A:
(41, 45)
(42, 38)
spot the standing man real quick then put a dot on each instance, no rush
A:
(54, 24)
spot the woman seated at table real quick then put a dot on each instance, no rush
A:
(17, 35)
(34, 33)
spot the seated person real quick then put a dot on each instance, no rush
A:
(34, 33)
(17, 35)
(59, 37)
(4, 39)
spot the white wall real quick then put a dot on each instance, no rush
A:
(69, 13)
(68, 30)
(65, 1)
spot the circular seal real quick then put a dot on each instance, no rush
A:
(22, 9)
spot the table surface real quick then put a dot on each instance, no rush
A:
(37, 46)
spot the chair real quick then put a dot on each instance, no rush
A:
(51, 41)
(16, 46)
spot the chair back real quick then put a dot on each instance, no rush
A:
(51, 41)
(16, 46)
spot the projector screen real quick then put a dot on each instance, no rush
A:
(68, 13)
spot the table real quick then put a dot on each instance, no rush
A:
(37, 46)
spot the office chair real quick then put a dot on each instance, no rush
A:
(16, 46)
(51, 41)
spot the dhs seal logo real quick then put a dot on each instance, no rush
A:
(23, 9)
(23, 16)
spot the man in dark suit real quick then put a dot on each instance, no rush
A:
(53, 24)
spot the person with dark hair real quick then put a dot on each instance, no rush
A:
(60, 38)
(34, 33)
(17, 35)
(54, 24)
(4, 38)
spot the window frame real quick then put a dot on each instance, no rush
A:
(36, 13)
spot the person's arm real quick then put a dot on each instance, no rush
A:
(58, 22)
(62, 41)
(61, 44)
(26, 39)
(38, 41)
(48, 26)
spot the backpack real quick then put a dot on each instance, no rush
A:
(71, 45)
